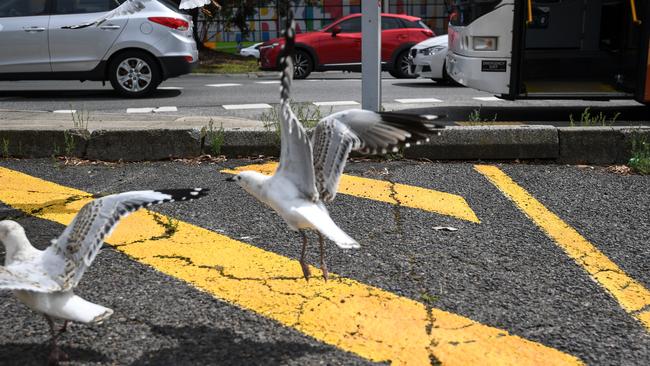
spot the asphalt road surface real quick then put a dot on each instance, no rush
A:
(550, 265)
(250, 95)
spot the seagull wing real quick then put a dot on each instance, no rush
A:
(74, 251)
(191, 4)
(296, 160)
(26, 276)
(365, 131)
(127, 7)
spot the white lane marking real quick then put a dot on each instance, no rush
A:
(165, 109)
(268, 82)
(247, 106)
(222, 85)
(488, 99)
(152, 110)
(418, 100)
(170, 88)
(336, 103)
(67, 111)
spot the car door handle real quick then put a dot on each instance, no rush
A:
(34, 29)
(110, 26)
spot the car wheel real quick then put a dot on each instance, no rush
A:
(134, 74)
(302, 65)
(401, 70)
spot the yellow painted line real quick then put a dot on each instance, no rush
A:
(633, 297)
(394, 193)
(353, 316)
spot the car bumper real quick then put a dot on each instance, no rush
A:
(467, 71)
(428, 66)
(173, 66)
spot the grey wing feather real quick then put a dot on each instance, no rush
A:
(365, 131)
(127, 7)
(333, 142)
(28, 278)
(191, 4)
(74, 251)
(296, 160)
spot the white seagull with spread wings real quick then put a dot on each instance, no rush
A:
(132, 7)
(44, 280)
(307, 176)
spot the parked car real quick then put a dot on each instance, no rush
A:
(134, 52)
(427, 59)
(338, 46)
(251, 51)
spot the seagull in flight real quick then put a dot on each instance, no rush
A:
(45, 280)
(309, 171)
(134, 6)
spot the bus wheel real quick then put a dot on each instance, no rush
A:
(401, 69)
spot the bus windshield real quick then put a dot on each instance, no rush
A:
(464, 12)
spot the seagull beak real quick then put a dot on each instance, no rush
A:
(230, 179)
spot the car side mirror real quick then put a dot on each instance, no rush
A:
(336, 30)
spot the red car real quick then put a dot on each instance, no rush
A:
(338, 46)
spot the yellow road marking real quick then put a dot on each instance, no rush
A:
(394, 193)
(353, 316)
(630, 294)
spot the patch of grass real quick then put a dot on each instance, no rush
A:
(215, 62)
(587, 119)
(170, 225)
(228, 47)
(215, 137)
(640, 160)
(5, 148)
(428, 299)
(476, 119)
(69, 143)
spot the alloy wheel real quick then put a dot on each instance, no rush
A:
(134, 74)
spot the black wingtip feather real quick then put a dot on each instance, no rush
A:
(413, 122)
(184, 194)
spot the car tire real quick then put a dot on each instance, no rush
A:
(302, 65)
(134, 74)
(401, 68)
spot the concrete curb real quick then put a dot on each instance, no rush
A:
(583, 145)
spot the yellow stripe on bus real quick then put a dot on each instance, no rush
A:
(633, 297)
(355, 317)
(394, 193)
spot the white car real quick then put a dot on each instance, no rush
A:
(427, 59)
(252, 51)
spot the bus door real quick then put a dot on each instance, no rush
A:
(580, 49)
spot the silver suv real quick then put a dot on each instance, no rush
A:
(135, 52)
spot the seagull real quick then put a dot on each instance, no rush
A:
(308, 174)
(131, 7)
(45, 280)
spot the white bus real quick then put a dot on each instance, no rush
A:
(551, 48)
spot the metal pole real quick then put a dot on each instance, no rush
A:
(371, 55)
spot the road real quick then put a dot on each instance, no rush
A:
(249, 96)
(534, 274)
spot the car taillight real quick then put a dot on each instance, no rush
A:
(189, 58)
(173, 23)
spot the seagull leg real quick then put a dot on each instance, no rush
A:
(303, 264)
(56, 354)
(323, 265)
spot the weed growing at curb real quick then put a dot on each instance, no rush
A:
(589, 120)
(69, 143)
(5, 148)
(475, 118)
(640, 160)
(216, 138)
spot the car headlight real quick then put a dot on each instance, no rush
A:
(484, 43)
(270, 46)
(431, 50)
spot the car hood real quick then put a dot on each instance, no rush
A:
(433, 41)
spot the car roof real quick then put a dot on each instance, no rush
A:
(390, 15)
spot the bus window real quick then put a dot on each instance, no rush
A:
(464, 12)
